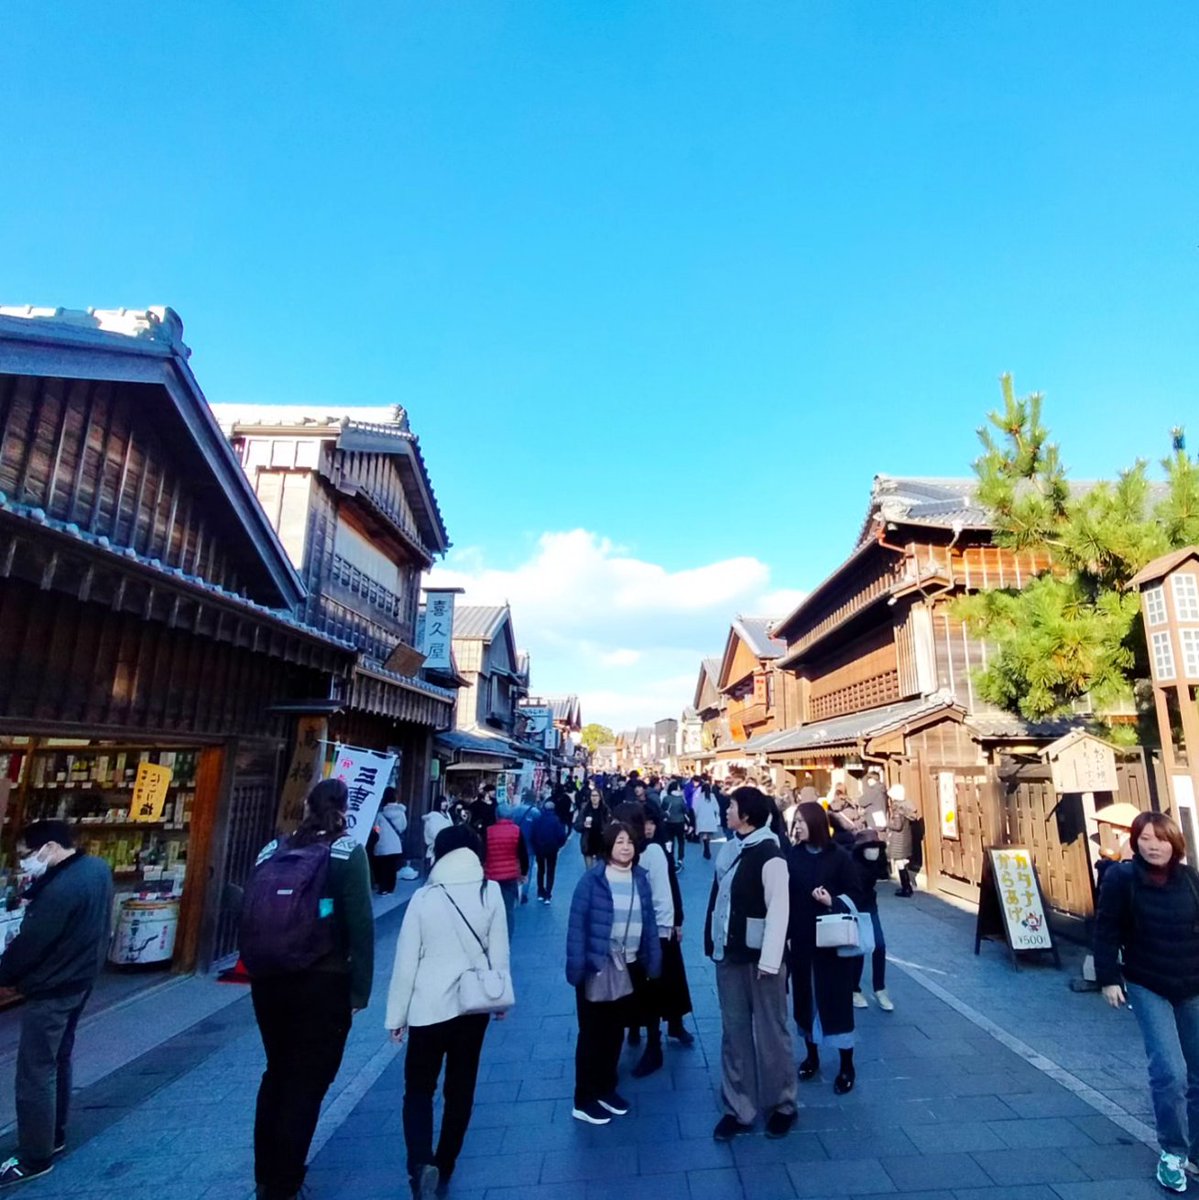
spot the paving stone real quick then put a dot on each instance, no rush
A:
(723, 1184)
(934, 1172)
(1011, 1167)
(864, 1176)
(766, 1181)
(1114, 1162)
(1058, 1132)
(949, 1138)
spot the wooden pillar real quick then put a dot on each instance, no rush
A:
(198, 894)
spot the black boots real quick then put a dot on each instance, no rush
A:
(651, 1059)
(680, 1033)
(845, 1077)
(905, 883)
(810, 1067)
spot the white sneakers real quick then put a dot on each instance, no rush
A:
(884, 1001)
(1171, 1173)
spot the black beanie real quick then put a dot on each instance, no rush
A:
(457, 837)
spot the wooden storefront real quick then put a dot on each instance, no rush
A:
(146, 618)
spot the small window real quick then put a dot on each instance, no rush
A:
(283, 453)
(1190, 652)
(1155, 605)
(1186, 597)
(1163, 656)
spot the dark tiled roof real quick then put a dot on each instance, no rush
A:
(1008, 725)
(854, 727)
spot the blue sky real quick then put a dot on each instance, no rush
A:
(682, 276)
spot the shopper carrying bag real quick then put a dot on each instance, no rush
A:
(446, 987)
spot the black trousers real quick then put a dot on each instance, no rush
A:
(459, 1042)
(385, 867)
(676, 840)
(597, 1049)
(304, 1019)
(547, 870)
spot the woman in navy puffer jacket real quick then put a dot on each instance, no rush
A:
(611, 921)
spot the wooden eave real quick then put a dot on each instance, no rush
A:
(28, 347)
(379, 522)
(56, 560)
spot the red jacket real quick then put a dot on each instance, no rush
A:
(505, 855)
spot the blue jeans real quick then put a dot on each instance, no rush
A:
(1171, 1034)
(510, 891)
(878, 960)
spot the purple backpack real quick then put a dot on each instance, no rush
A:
(287, 917)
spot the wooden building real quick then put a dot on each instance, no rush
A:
(711, 707)
(152, 628)
(881, 672)
(352, 502)
(485, 743)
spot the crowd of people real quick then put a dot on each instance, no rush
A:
(791, 876)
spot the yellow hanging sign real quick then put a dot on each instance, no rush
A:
(150, 787)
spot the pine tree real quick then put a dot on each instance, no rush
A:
(1074, 630)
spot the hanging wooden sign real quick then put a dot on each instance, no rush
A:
(1011, 905)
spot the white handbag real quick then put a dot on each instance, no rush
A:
(482, 989)
(843, 932)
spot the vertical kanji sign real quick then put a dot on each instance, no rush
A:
(438, 629)
(150, 787)
(365, 773)
(304, 773)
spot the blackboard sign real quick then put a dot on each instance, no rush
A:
(1010, 904)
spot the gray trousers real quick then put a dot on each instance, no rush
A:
(44, 1073)
(757, 1058)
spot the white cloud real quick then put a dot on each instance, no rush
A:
(627, 635)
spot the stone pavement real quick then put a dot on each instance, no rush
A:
(942, 1111)
(984, 1084)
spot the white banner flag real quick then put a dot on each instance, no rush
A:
(366, 773)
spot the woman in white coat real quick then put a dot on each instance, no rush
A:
(434, 821)
(706, 808)
(435, 949)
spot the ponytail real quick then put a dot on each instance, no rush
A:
(324, 813)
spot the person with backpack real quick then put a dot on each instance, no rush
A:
(53, 962)
(548, 836)
(674, 821)
(453, 926)
(1147, 955)
(308, 942)
(391, 824)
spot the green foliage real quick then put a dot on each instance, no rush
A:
(597, 735)
(1074, 630)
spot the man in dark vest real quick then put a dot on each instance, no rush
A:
(745, 935)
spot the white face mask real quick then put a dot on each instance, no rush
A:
(870, 854)
(34, 866)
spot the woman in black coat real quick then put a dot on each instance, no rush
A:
(822, 982)
(589, 825)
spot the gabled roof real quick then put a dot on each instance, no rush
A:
(145, 346)
(709, 673)
(755, 632)
(944, 503)
(566, 709)
(1160, 567)
(368, 430)
(473, 622)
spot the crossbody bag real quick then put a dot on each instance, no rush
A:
(481, 989)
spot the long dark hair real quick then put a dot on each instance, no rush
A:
(816, 819)
(324, 813)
